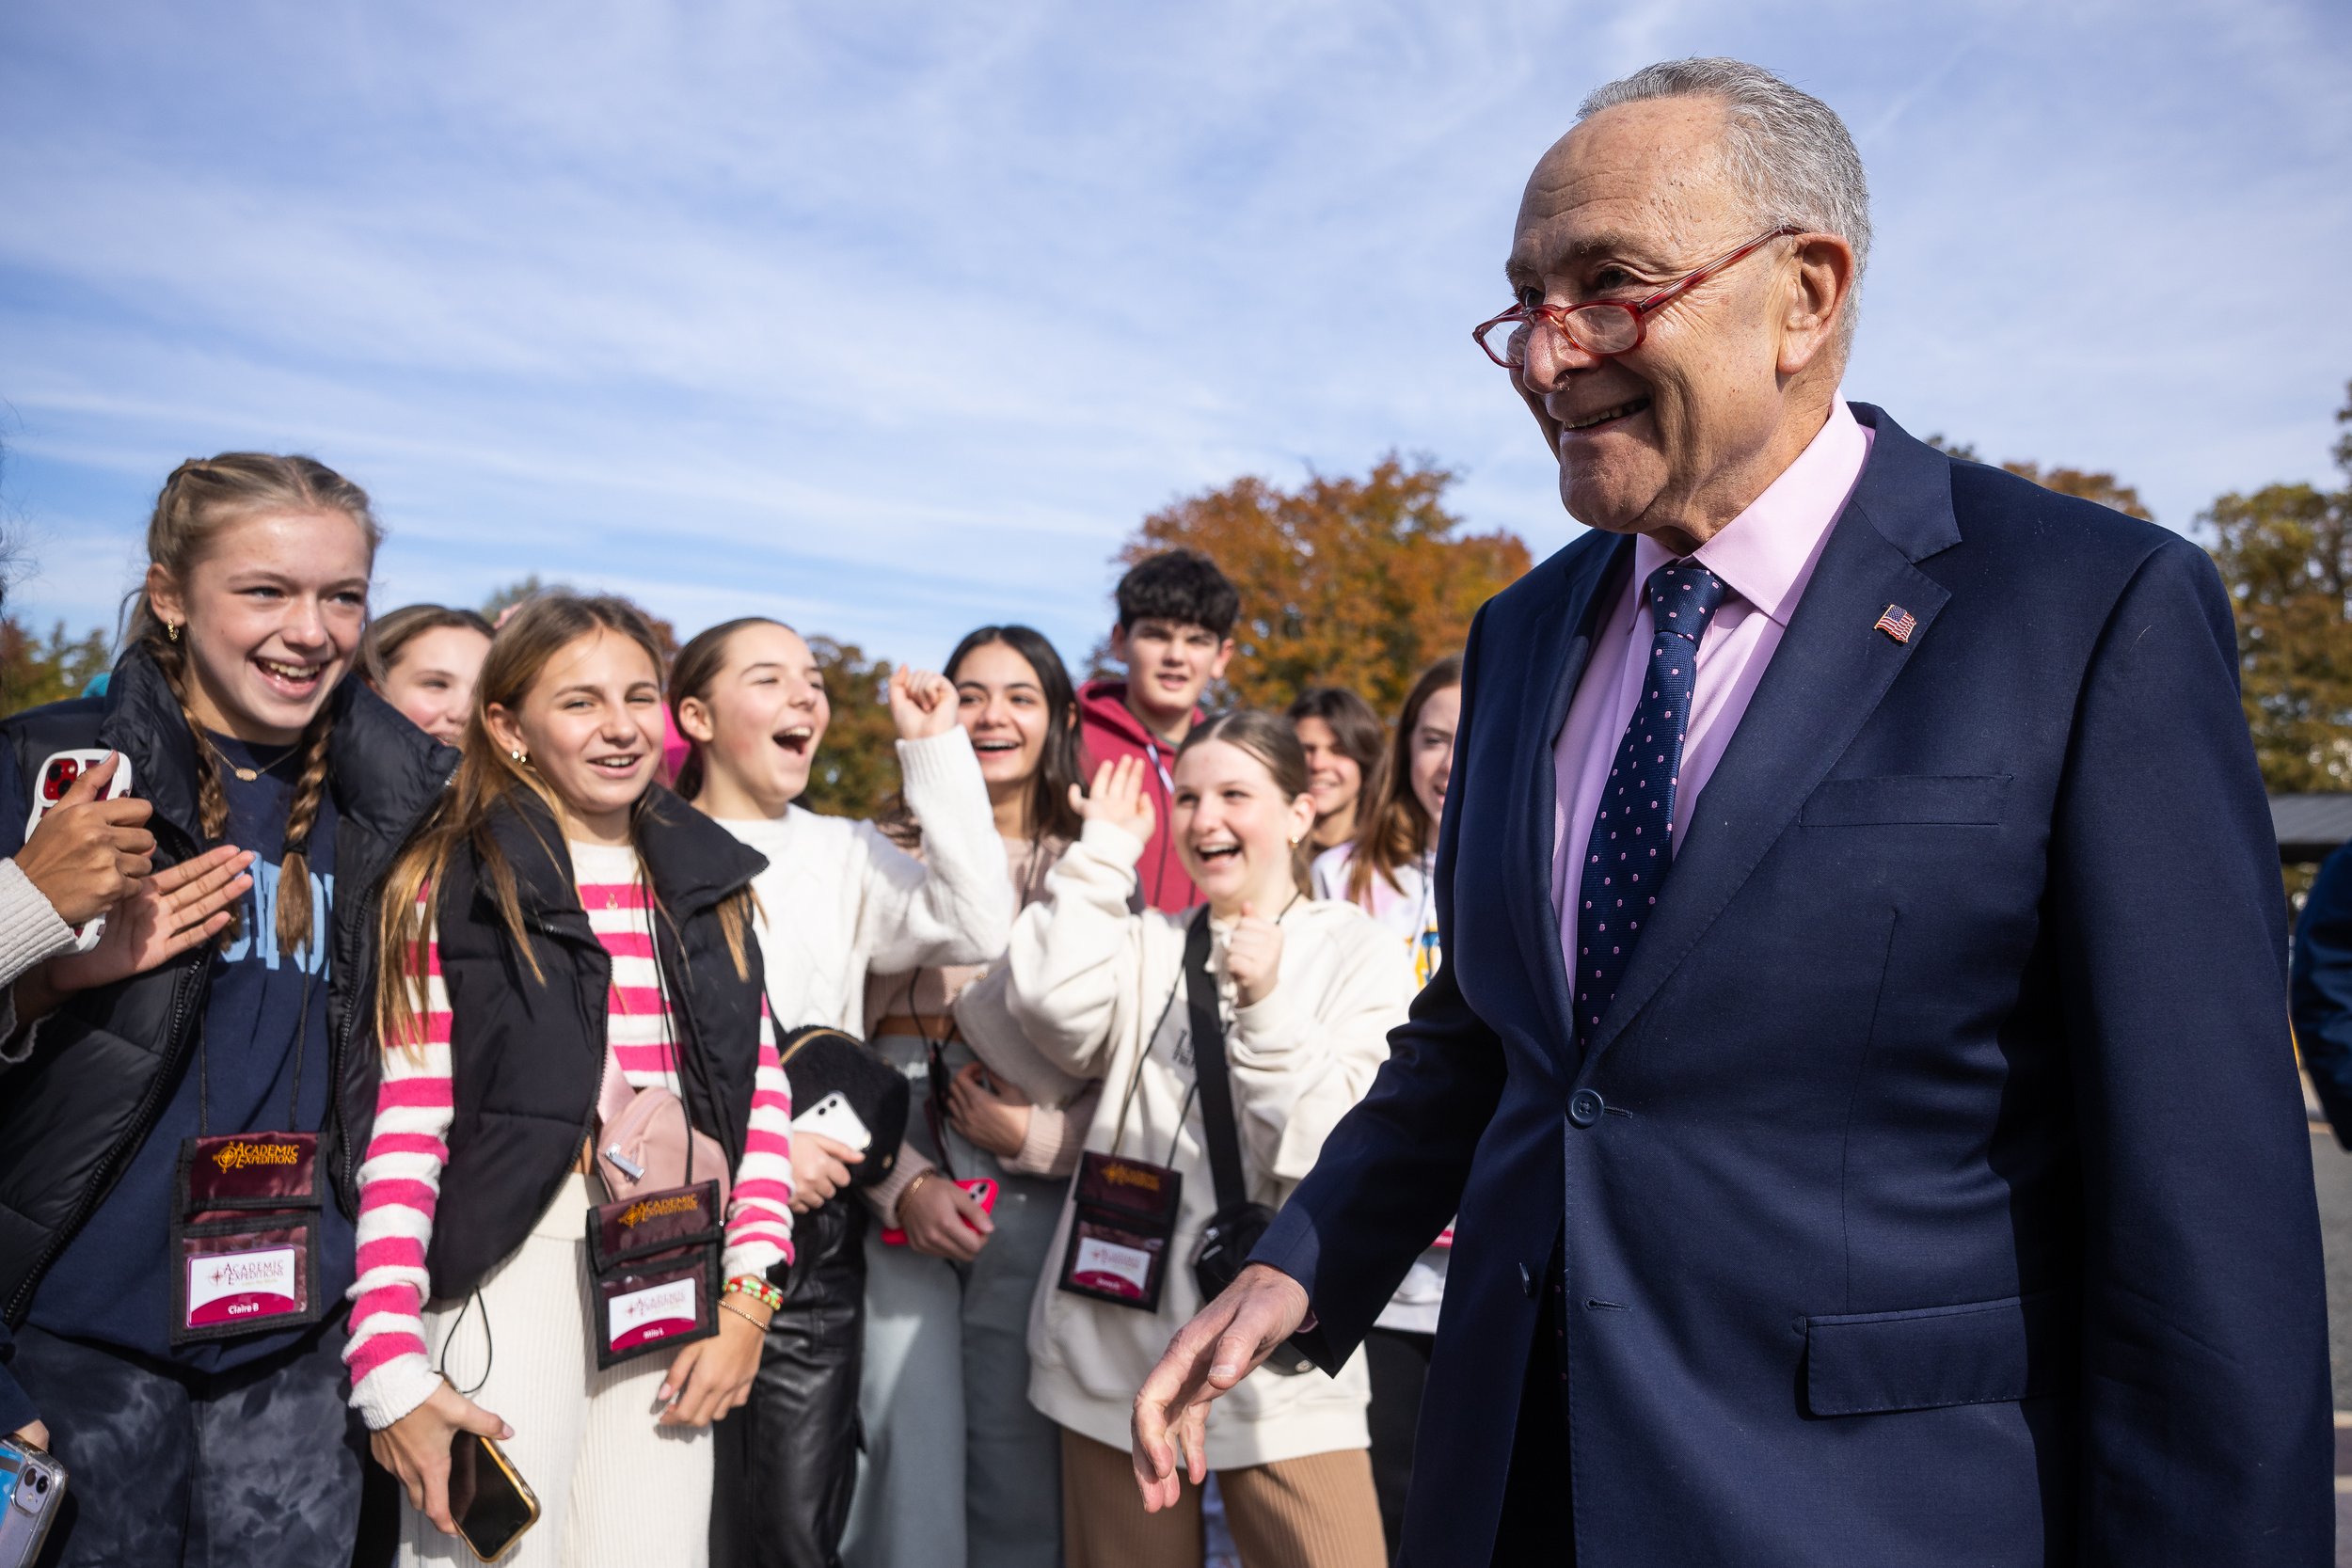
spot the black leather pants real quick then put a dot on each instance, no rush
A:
(787, 1460)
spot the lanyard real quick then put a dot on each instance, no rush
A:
(1135, 1079)
(203, 1063)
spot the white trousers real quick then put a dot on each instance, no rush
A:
(614, 1490)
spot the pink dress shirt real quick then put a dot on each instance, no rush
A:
(1766, 555)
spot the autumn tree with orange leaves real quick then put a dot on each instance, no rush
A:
(1355, 582)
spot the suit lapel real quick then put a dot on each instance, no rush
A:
(1826, 678)
(1560, 648)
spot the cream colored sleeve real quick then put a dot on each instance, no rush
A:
(955, 905)
(1076, 953)
(1301, 1060)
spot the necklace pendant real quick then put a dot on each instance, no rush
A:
(245, 775)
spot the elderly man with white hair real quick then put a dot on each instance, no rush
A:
(1860, 1064)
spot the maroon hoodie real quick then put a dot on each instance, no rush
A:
(1110, 731)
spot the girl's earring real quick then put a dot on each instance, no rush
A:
(171, 629)
(522, 758)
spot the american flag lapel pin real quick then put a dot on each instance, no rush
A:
(1897, 622)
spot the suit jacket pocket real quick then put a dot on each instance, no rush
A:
(1977, 1352)
(1954, 801)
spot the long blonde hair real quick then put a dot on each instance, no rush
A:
(489, 781)
(202, 496)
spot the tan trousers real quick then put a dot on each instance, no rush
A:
(1318, 1512)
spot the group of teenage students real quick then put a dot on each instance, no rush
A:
(386, 963)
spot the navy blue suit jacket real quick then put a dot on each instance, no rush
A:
(1936, 1189)
(2323, 988)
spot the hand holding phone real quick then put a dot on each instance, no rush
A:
(491, 1502)
(961, 1232)
(85, 845)
(419, 1447)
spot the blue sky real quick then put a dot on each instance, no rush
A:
(893, 319)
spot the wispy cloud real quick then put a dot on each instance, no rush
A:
(895, 319)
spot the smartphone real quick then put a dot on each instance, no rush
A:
(980, 1187)
(57, 776)
(831, 1117)
(487, 1498)
(32, 1487)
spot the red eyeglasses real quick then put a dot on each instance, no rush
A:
(1604, 327)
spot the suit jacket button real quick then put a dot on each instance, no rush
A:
(1529, 1281)
(1584, 1107)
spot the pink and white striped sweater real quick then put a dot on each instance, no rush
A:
(400, 1180)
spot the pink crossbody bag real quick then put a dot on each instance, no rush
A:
(644, 1137)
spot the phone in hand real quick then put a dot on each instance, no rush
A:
(980, 1187)
(833, 1117)
(487, 1496)
(58, 775)
(32, 1489)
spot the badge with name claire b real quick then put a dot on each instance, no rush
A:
(244, 1236)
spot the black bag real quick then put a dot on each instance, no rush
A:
(819, 1061)
(1237, 1225)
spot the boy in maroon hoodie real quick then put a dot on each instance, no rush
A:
(1176, 615)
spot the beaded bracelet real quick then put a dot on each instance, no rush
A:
(758, 1290)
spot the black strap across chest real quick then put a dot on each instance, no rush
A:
(1209, 1070)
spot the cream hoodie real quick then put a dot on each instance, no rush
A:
(1100, 992)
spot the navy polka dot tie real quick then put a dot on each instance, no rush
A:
(1632, 844)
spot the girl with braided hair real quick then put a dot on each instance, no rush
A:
(176, 1190)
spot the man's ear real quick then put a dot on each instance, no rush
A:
(1819, 289)
(1224, 656)
(165, 598)
(1119, 644)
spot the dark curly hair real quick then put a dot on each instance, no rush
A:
(1183, 586)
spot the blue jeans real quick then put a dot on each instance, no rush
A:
(255, 1468)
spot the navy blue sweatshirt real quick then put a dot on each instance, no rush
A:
(112, 1284)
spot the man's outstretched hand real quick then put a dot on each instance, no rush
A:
(1223, 1344)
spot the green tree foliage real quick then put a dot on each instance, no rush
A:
(2285, 552)
(857, 764)
(1357, 582)
(34, 671)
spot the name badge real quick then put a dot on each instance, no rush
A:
(1122, 1217)
(244, 1236)
(653, 1271)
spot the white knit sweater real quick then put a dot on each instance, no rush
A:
(30, 933)
(839, 898)
(1099, 992)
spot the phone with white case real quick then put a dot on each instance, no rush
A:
(831, 1117)
(57, 779)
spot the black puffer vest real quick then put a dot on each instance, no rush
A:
(527, 1055)
(72, 1116)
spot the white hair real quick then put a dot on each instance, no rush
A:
(1785, 150)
